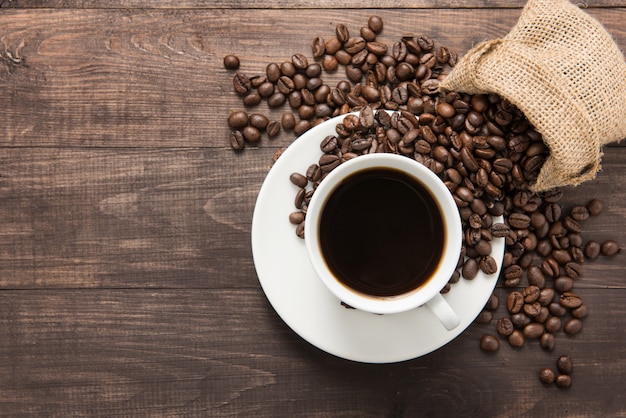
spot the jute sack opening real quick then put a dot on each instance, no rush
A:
(563, 70)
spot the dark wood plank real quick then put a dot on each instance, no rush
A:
(138, 78)
(120, 218)
(178, 218)
(283, 4)
(224, 352)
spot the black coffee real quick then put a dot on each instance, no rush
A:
(381, 232)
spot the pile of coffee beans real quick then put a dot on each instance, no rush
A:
(404, 76)
(481, 146)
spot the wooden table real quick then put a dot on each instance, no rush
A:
(127, 284)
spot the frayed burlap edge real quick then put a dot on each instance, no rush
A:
(512, 67)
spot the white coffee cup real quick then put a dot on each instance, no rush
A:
(427, 293)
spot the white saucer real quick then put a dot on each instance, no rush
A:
(302, 301)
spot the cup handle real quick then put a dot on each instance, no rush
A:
(443, 312)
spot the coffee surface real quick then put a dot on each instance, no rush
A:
(381, 232)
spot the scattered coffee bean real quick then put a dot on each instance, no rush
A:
(231, 62)
(547, 341)
(581, 312)
(547, 375)
(563, 381)
(564, 364)
(533, 330)
(594, 207)
(609, 248)
(516, 339)
(489, 343)
(573, 326)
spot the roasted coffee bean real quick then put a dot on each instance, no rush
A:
(500, 230)
(483, 248)
(577, 255)
(493, 302)
(301, 127)
(547, 375)
(318, 47)
(237, 140)
(258, 121)
(563, 284)
(298, 180)
(296, 217)
(570, 300)
(505, 327)
(553, 324)
(573, 326)
(573, 270)
(489, 343)
(354, 45)
(532, 309)
(241, 83)
(484, 317)
(313, 173)
(546, 296)
(300, 229)
(557, 309)
(231, 62)
(251, 99)
(594, 206)
(553, 212)
(563, 381)
(251, 134)
(533, 330)
(470, 269)
(519, 220)
(535, 276)
(288, 121)
(513, 272)
(520, 320)
(299, 199)
(543, 315)
(488, 265)
(515, 302)
(329, 143)
(561, 256)
(550, 267)
(342, 32)
(276, 100)
(287, 69)
(375, 23)
(328, 162)
(579, 213)
(547, 341)
(581, 312)
(502, 165)
(425, 42)
(531, 294)
(516, 339)
(564, 364)
(592, 249)
(572, 225)
(609, 248)
(238, 119)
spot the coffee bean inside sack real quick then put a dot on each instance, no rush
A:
(481, 146)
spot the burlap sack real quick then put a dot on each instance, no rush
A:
(563, 70)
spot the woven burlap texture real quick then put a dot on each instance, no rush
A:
(564, 71)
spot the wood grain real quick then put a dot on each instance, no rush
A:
(170, 352)
(127, 285)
